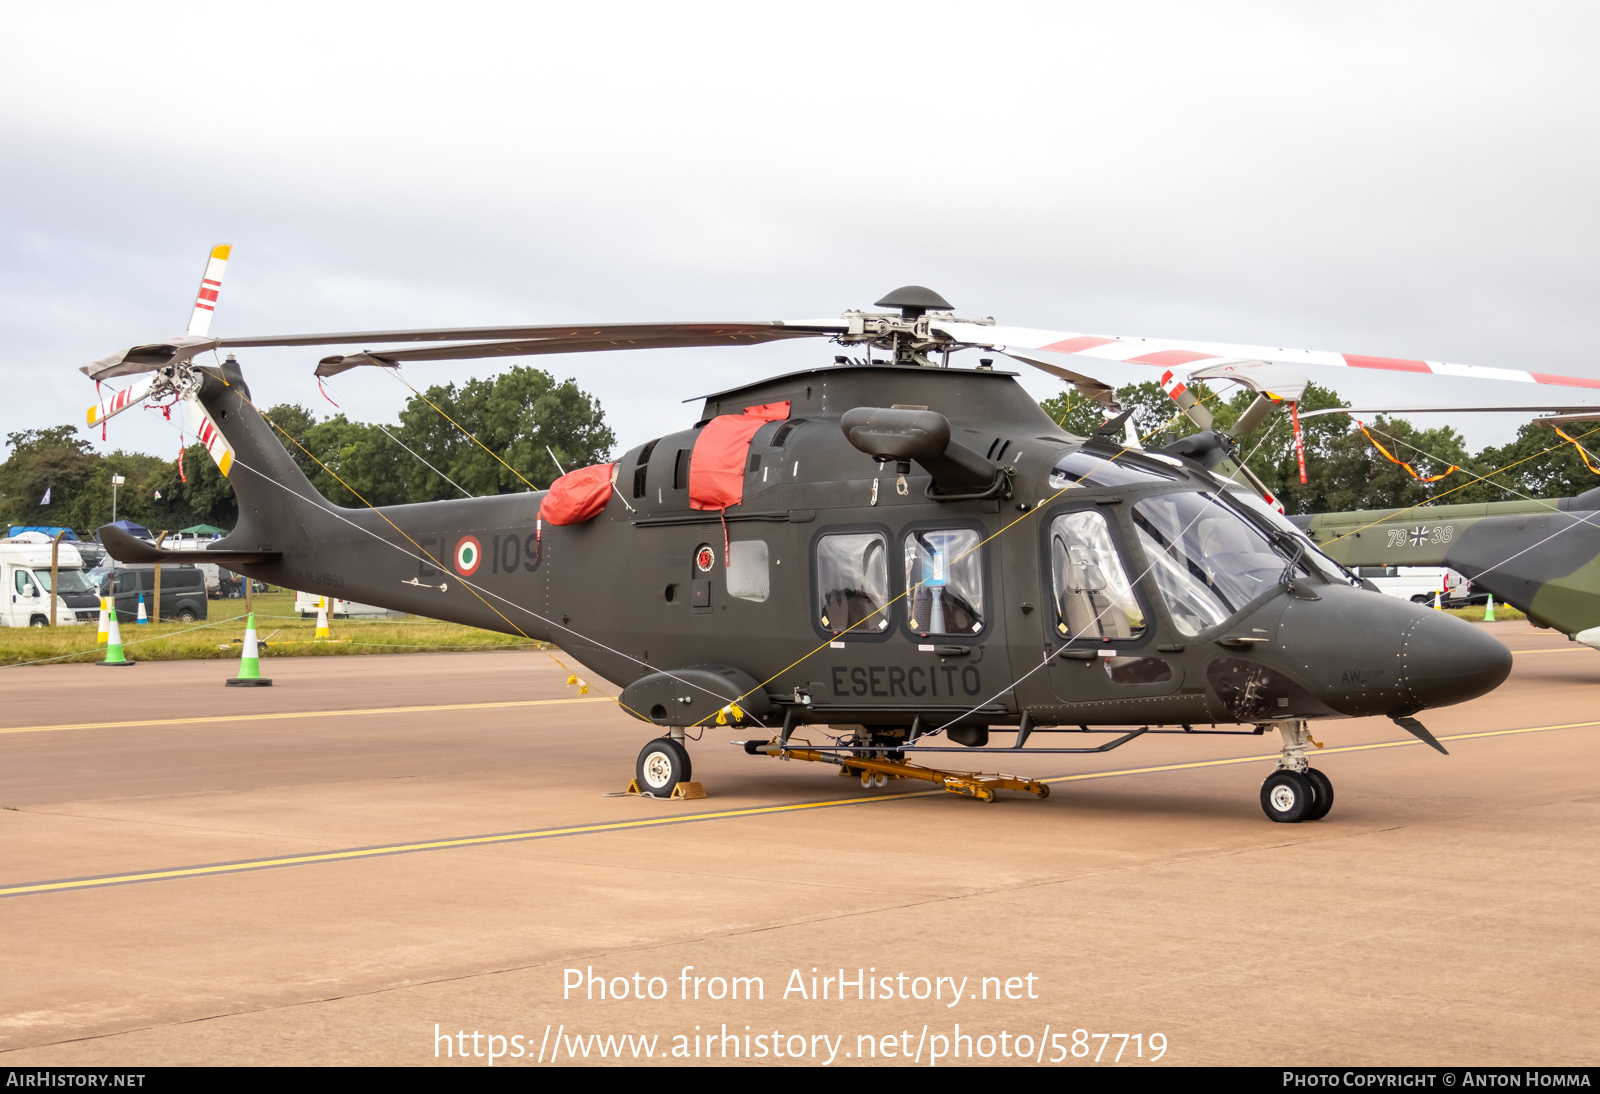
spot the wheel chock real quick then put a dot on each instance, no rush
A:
(681, 792)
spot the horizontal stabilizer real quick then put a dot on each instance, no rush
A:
(130, 549)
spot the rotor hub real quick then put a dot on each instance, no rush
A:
(908, 336)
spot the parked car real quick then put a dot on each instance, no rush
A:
(1418, 583)
(183, 591)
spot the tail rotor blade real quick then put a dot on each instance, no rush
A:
(135, 393)
(205, 301)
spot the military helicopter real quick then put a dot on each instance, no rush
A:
(1537, 554)
(866, 563)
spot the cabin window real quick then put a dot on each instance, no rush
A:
(1094, 598)
(24, 583)
(944, 576)
(748, 575)
(853, 582)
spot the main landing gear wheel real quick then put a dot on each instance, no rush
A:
(1322, 794)
(663, 764)
(1287, 797)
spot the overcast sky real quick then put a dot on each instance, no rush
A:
(1412, 180)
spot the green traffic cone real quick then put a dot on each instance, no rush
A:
(250, 660)
(114, 655)
(1488, 610)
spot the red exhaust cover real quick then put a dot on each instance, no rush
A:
(716, 468)
(578, 495)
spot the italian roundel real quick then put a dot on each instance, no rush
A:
(468, 555)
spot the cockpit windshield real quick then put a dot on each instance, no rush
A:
(1314, 556)
(1207, 560)
(72, 581)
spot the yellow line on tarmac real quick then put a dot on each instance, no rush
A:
(308, 714)
(1556, 649)
(430, 845)
(1324, 752)
(656, 822)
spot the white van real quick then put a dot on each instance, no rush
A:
(306, 605)
(1417, 583)
(188, 541)
(25, 573)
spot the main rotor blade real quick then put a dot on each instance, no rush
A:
(1254, 415)
(574, 340)
(1179, 392)
(1565, 408)
(582, 332)
(1170, 353)
(147, 358)
(1090, 386)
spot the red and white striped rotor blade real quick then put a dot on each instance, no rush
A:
(205, 301)
(1170, 354)
(132, 395)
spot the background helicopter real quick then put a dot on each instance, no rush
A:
(1540, 555)
(903, 550)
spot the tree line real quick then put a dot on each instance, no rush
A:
(515, 415)
(1344, 470)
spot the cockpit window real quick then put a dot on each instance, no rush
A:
(1207, 560)
(1094, 599)
(1083, 468)
(944, 573)
(853, 582)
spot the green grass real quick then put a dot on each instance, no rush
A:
(282, 631)
(285, 634)
(1502, 613)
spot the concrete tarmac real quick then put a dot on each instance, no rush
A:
(376, 855)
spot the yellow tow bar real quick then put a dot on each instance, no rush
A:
(879, 772)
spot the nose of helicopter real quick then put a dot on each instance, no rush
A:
(1375, 654)
(1447, 660)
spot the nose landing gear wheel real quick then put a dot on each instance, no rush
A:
(663, 764)
(1322, 794)
(1287, 797)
